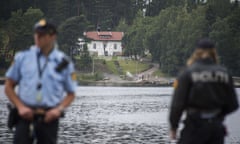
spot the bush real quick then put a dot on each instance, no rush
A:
(89, 77)
(104, 62)
(98, 76)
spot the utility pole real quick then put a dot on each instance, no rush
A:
(71, 53)
(136, 68)
(92, 65)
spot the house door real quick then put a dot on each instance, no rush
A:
(104, 48)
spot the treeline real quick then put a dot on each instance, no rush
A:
(72, 17)
(170, 36)
(168, 29)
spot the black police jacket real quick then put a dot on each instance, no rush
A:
(205, 86)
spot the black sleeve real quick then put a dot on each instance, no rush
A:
(231, 101)
(179, 100)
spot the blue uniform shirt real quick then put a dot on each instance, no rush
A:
(25, 72)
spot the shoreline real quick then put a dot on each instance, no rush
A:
(124, 84)
(114, 84)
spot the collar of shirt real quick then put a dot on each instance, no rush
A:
(206, 61)
(53, 53)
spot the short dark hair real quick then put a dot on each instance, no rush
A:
(205, 43)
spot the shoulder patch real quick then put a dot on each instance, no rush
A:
(175, 84)
(74, 76)
(12, 63)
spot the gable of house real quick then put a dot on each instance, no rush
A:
(105, 43)
(104, 36)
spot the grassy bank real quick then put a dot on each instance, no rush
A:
(120, 67)
(89, 77)
(159, 73)
(133, 66)
(110, 65)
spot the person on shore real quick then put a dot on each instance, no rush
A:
(44, 75)
(205, 91)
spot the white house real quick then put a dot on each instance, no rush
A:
(105, 43)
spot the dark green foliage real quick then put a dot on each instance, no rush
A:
(170, 36)
(70, 30)
(85, 62)
(73, 17)
(168, 30)
(227, 34)
(19, 28)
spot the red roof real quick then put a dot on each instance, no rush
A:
(104, 35)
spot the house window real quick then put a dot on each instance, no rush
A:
(94, 46)
(115, 46)
(105, 36)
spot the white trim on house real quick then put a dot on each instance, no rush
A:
(103, 43)
(105, 48)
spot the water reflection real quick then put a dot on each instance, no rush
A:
(111, 115)
(112, 133)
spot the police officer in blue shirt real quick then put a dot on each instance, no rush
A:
(46, 85)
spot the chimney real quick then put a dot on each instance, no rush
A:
(98, 28)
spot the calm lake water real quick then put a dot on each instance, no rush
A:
(117, 115)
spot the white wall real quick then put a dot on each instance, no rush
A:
(109, 47)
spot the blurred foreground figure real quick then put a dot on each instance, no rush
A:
(206, 93)
(43, 75)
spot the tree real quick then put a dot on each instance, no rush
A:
(58, 10)
(122, 26)
(170, 36)
(20, 28)
(168, 30)
(85, 59)
(226, 32)
(8, 6)
(70, 30)
(155, 7)
(135, 37)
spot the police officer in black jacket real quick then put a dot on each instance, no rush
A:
(206, 93)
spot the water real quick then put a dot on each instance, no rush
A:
(116, 115)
